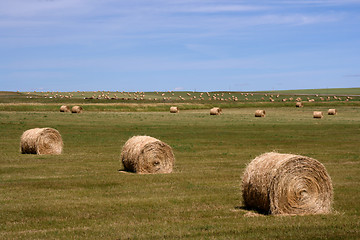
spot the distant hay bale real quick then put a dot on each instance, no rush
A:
(174, 109)
(64, 108)
(317, 114)
(144, 154)
(260, 113)
(215, 111)
(332, 112)
(41, 141)
(76, 109)
(299, 104)
(277, 184)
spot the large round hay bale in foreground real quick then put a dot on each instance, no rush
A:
(332, 112)
(260, 113)
(174, 109)
(76, 109)
(215, 111)
(144, 154)
(64, 108)
(41, 141)
(299, 104)
(317, 114)
(276, 183)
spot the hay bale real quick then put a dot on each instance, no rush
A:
(277, 184)
(41, 141)
(332, 112)
(76, 109)
(215, 111)
(317, 114)
(299, 104)
(64, 108)
(260, 113)
(144, 154)
(174, 109)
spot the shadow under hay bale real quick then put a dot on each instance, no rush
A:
(64, 108)
(260, 113)
(144, 154)
(41, 141)
(281, 184)
(76, 109)
(332, 112)
(317, 114)
(174, 109)
(215, 111)
(299, 104)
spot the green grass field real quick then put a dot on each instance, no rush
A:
(161, 101)
(318, 95)
(332, 91)
(82, 195)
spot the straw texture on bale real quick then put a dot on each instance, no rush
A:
(76, 109)
(41, 141)
(144, 154)
(215, 111)
(276, 183)
(317, 114)
(64, 108)
(260, 113)
(299, 104)
(332, 112)
(174, 109)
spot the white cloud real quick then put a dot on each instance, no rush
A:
(222, 8)
(319, 2)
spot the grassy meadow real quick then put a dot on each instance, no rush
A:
(186, 97)
(81, 194)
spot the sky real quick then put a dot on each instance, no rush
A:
(179, 45)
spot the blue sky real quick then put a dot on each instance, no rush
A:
(202, 45)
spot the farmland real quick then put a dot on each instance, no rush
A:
(81, 194)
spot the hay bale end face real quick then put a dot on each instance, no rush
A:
(299, 104)
(278, 184)
(260, 113)
(76, 109)
(317, 114)
(144, 154)
(64, 108)
(332, 112)
(174, 109)
(41, 141)
(215, 111)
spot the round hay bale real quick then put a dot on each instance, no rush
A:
(76, 109)
(260, 113)
(332, 112)
(215, 111)
(174, 109)
(317, 114)
(144, 154)
(299, 104)
(278, 184)
(41, 141)
(64, 108)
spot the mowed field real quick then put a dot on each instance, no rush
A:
(81, 194)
